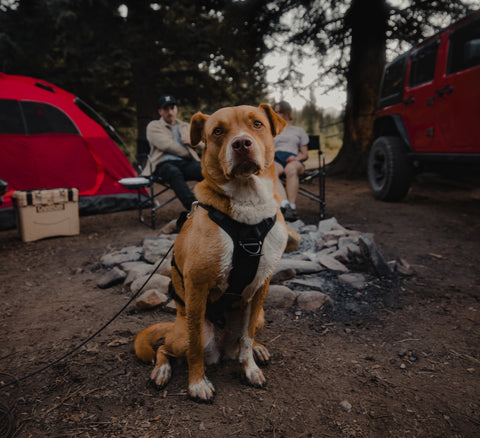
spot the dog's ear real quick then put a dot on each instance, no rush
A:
(197, 123)
(277, 124)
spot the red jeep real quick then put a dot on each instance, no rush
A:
(429, 109)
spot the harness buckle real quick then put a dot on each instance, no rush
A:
(252, 248)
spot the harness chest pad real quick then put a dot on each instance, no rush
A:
(247, 249)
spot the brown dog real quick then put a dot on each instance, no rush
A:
(237, 221)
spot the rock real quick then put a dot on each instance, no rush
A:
(157, 281)
(330, 224)
(345, 242)
(166, 267)
(170, 307)
(293, 240)
(340, 255)
(119, 342)
(170, 227)
(279, 297)
(307, 256)
(154, 248)
(324, 251)
(335, 234)
(346, 406)
(404, 268)
(353, 250)
(330, 263)
(128, 254)
(314, 283)
(355, 280)
(297, 225)
(150, 299)
(282, 274)
(312, 300)
(111, 278)
(300, 266)
(135, 270)
(309, 229)
(371, 253)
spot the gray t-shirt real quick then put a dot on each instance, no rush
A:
(291, 140)
(177, 137)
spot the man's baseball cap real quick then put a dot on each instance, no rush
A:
(166, 99)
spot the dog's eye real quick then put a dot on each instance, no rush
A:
(257, 124)
(217, 131)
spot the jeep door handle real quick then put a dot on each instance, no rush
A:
(447, 90)
(408, 100)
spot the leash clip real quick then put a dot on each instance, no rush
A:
(192, 208)
(252, 248)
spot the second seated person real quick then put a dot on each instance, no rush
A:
(173, 158)
(291, 150)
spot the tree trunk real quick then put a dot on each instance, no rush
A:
(367, 20)
(144, 64)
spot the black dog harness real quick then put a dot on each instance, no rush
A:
(247, 249)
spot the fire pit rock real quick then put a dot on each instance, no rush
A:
(329, 257)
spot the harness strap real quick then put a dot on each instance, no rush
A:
(247, 249)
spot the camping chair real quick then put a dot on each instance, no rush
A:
(146, 186)
(311, 174)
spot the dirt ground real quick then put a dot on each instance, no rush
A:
(406, 366)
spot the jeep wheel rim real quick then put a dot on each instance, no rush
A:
(379, 168)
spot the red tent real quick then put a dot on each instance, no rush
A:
(47, 141)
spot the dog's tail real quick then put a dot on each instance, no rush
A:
(147, 338)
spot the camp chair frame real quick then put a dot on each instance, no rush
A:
(145, 186)
(313, 173)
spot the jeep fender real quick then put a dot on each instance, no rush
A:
(392, 125)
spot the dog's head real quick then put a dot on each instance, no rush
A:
(238, 141)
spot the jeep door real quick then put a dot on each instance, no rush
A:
(419, 100)
(458, 91)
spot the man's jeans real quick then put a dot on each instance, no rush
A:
(177, 173)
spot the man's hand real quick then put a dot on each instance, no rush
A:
(186, 139)
(292, 158)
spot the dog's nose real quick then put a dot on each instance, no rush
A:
(241, 144)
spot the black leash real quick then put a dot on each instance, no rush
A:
(33, 373)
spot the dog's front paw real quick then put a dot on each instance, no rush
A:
(160, 375)
(253, 376)
(261, 354)
(202, 392)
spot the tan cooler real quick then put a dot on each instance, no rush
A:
(46, 213)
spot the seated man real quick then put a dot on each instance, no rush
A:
(173, 159)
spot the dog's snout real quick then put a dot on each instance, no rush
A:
(242, 144)
(243, 155)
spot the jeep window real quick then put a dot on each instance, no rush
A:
(464, 47)
(391, 90)
(422, 69)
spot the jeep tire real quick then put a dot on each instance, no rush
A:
(389, 169)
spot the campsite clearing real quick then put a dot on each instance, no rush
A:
(407, 367)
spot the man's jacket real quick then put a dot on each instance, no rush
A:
(160, 137)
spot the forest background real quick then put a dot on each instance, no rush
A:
(120, 55)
